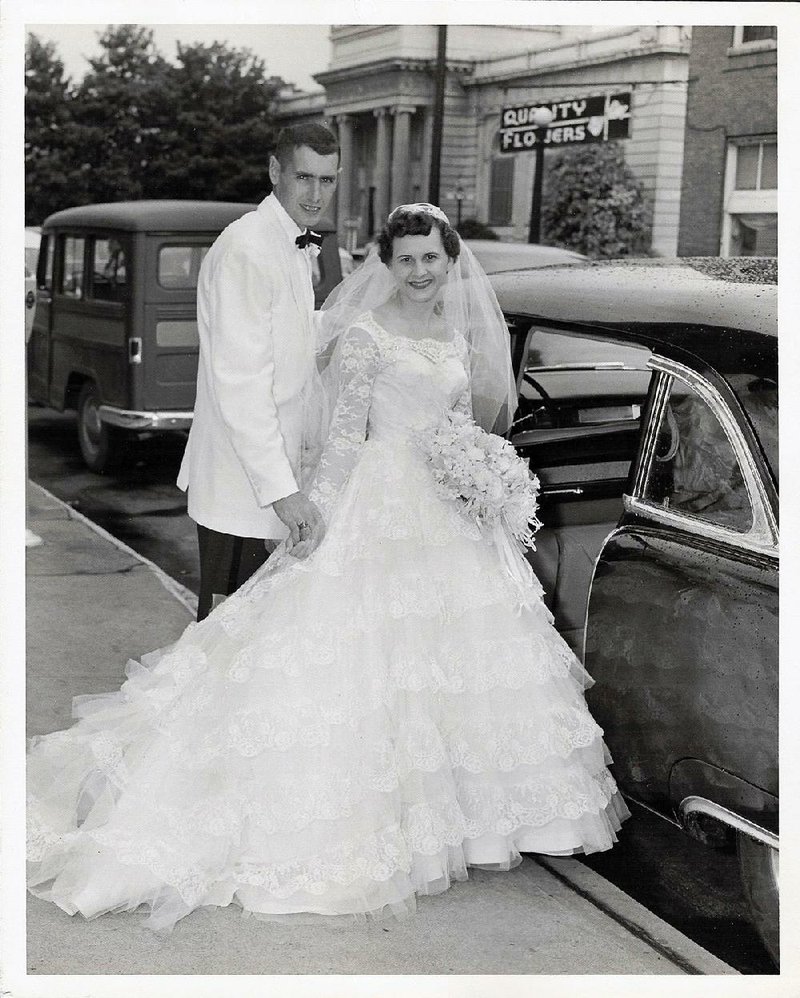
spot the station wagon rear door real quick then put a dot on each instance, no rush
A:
(169, 347)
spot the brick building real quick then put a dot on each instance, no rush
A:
(729, 197)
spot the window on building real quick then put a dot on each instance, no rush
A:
(758, 33)
(417, 138)
(750, 222)
(501, 190)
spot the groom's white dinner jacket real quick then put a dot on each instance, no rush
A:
(255, 305)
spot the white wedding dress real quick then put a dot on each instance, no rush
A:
(345, 732)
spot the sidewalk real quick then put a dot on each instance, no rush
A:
(93, 604)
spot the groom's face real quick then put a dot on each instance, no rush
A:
(305, 183)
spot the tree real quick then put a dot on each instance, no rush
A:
(121, 109)
(138, 126)
(593, 203)
(221, 129)
(51, 140)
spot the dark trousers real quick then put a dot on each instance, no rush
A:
(226, 562)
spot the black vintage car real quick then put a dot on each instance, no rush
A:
(648, 408)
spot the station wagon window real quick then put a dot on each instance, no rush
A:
(45, 274)
(179, 266)
(72, 278)
(109, 270)
(695, 469)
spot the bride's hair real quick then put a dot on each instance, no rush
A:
(413, 221)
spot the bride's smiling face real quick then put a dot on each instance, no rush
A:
(419, 264)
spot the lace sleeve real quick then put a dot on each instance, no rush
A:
(464, 401)
(358, 361)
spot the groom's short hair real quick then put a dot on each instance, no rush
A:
(311, 134)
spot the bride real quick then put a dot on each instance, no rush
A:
(355, 728)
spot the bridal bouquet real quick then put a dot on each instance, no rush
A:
(485, 473)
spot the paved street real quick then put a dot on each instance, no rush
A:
(693, 888)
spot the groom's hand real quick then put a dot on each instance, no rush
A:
(305, 523)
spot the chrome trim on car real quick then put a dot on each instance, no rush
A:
(701, 528)
(577, 365)
(694, 805)
(129, 419)
(762, 537)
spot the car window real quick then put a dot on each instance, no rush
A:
(72, 283)
(179, 265)
(759, 399)
(694, 469)
(45, 276)
(109, 270)
(552, 349)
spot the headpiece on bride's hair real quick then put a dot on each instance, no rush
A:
(421, 207)
(469, 306)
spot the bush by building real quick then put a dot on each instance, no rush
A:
(594, 204)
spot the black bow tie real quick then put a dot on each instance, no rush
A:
(309, 236)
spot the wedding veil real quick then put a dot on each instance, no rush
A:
(470, 307)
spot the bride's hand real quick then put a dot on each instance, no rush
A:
(305, 523)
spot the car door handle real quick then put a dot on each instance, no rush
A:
(577, 491)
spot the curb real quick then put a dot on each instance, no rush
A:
(178, 591)
(670, 942)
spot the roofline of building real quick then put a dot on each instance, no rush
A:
(393, 63)
(572, 55)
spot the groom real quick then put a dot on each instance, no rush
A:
(255, 304)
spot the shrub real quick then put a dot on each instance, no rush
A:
(593, 203)
(471, 228)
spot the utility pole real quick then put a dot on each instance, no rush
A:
(438, 114)
(535, 225)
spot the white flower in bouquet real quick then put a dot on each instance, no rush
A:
(484, 472)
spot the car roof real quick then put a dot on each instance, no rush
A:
(660, 294)
(497, 253)
(705, 308)
(152, 216)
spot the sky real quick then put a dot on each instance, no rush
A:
(292, 51)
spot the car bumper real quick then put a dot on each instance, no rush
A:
(129, 419)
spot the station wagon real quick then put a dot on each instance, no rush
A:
(115, 329)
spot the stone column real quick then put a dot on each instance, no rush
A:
(382, 164)
(344, 125)
(400, 154)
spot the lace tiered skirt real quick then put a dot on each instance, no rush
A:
(338, 736)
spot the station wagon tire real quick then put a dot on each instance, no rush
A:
(758, 864)
(101, 445)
